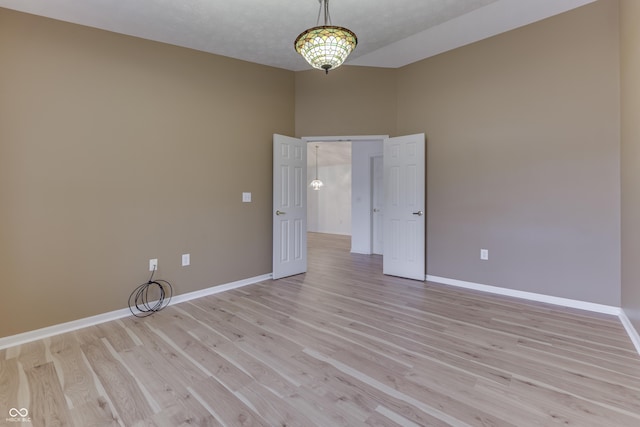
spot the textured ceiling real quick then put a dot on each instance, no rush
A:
(390, 33)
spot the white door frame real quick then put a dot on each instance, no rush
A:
(377, 210)
(366, 138)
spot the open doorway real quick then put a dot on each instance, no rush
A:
(354, 154)
(404, 227)
(329, 206)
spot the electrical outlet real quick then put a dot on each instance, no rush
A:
(484, 254)
(153, 264)
(186, 259)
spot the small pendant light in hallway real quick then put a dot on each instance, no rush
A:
(316, 183)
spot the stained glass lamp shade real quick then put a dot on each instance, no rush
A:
(327, 46)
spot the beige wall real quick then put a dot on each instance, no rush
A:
(523, 156)
(630, 85)
(347, 101)
(114, 150)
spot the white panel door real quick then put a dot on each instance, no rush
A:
(404, 208)
(289, 206)
(377, 202)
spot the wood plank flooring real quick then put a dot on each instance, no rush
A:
(341, 345)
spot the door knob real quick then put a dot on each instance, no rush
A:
(280, 213)
(419, 213)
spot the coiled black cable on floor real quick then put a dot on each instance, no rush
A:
(140, 297)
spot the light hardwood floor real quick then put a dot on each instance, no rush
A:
(342, 345)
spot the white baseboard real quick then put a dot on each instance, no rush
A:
(360, 251)
(61, 328)
(565, 302)
(633, 334)
(220, 288)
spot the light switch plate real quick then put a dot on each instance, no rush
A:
(246, 197)
(186, 259)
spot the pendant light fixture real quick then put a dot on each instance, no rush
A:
(316, 183)
(325, 47)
